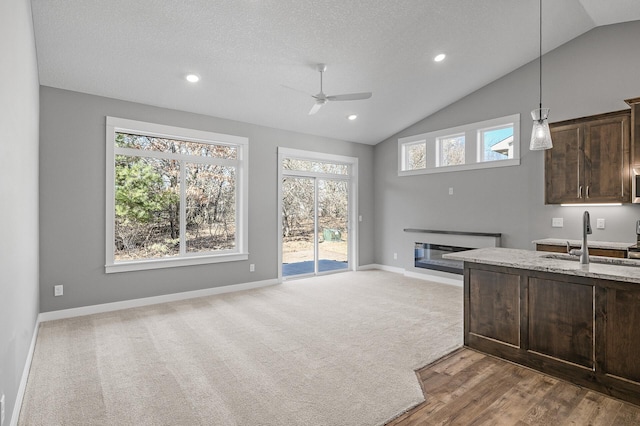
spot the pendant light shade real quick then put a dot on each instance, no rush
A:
(540, 134)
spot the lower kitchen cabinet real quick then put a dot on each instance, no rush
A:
(580, 329)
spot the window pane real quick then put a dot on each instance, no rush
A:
(496, 144)
(315, 166)
(416, 156)
(451, 150)
(147, 206)
(210, 208)
(149, 143)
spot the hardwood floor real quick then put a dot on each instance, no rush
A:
(471, 388)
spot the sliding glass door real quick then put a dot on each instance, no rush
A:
(333, 224)
(315, 209)
(298, 225)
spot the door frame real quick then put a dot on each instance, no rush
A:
(352, 226)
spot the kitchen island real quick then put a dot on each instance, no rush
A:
(548, 312)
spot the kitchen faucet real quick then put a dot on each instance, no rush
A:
(584, 250)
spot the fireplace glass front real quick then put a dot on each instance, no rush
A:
(429, 256)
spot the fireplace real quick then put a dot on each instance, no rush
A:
(429, 256)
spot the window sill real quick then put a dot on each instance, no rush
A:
(173, 262)
(462, 167)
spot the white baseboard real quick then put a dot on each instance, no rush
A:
(453, 280)
(25, 375)
(135, 303)
(382, 268)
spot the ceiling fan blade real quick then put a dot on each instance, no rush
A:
(315, 108)
(350, 97)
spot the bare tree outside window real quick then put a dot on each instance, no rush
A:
(417, 156)
(451, 150)
(147, 198)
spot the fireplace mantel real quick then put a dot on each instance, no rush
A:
(437, 231)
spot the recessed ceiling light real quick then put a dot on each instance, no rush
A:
(440, 57)
(352, 117)
(192, 78)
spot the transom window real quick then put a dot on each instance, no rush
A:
(175, 196)
(496, 144)
(450, 150)
(414, 155)
(490, 143)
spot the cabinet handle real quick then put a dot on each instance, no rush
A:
(587, 191)
(580, 191)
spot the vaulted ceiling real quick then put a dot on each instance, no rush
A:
(257, 58)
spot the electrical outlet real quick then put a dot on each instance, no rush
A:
(2, 410)
(600, 223)
(58, 290)
(395, 256)
(451, 190)
(360, 218)
(252, 267)
(557, 222)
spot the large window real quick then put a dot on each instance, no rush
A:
(490, 143)
(175, 196)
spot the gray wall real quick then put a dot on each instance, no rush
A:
(72, 201)
(19, 194)
(591, 74)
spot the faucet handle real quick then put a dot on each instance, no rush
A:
(568, 247)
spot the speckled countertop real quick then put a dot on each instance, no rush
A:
(593, 244)
(611, 269)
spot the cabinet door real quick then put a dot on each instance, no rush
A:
(563, 171)
(622, 334)
(606, 156)
(561, 321)
(494, 306)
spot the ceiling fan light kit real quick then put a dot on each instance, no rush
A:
(322, 99)
(540, 133)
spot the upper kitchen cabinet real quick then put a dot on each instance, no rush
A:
(635, 130)
(589, 161)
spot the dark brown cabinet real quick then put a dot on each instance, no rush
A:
(635, 130)
(590, 160)
(580, 329)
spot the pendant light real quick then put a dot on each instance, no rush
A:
(540, 134)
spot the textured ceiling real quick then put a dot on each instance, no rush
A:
(256, 58)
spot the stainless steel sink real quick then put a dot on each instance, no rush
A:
(595, 259)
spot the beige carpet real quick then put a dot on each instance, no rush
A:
(333, 350)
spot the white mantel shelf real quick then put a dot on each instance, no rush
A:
(437, 231)
(471, 239)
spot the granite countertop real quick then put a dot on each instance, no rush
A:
(592, 244)
(627, 270)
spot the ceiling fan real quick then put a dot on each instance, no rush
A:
(322, 99)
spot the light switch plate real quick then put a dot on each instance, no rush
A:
(557, 222)
(600, 223)
(58, 290)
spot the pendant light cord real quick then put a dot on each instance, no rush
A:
(540, 57)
